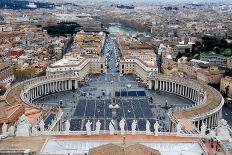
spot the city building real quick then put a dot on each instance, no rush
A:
(136, 57)
(217, 59)
(210, 74)
(78, 64)
(201, 70)
(117, 92)
(226, 86)
(184, 46)
(89, 43)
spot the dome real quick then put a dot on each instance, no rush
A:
(117, 149)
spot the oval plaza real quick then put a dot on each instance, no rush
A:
(89, 99)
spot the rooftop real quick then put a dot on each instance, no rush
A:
(213, 101)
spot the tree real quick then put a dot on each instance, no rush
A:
(179, 55)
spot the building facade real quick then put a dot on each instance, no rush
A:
(226, 86)
(81, 66)
(136, 57)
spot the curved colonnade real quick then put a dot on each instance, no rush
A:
(27, 91)
(207, 107)
(208, 101)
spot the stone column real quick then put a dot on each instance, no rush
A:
(191, 93)
(54, 86)
(215, 120)
(161, 85)
(43, 89)
(76, 84)
(33, 93)
(206, 122)
(198, 125)
(180, 89)
(48, 87)
(166, 86)
(51, 87)
(38, 91)
(61, 86)
(156, 84)
(150, 84)
(58, 86)
(63, 83)
(210, 122)
(176, 88)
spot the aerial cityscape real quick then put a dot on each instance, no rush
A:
(111, 77)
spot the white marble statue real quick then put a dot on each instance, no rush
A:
(111, 127)
(4, 129)
(67, 126)
(156, 127)
(148, 130)
(222, 131)
(122, 126)
(23, 126)
(133, 127)
(203, 129)
(98, 127)
(88, 127)
(178, 128)
(212, 134)
(41, 126)
(11, 130)
(34, 131)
